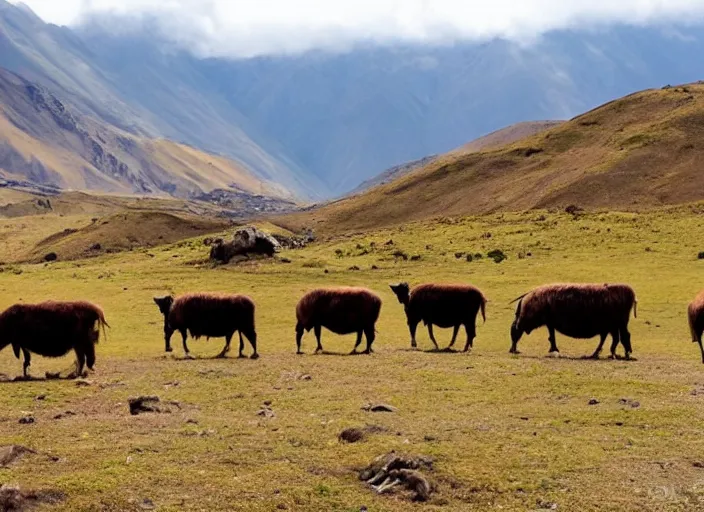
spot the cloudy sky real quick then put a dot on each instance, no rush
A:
(255, 27)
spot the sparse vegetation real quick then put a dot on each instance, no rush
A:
(531, 436)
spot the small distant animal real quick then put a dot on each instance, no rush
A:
(696, 320)
(444, 305)
(52, 329)
(340, 310)
(577, 310)
(209, 315)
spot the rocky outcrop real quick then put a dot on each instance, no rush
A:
(246, 242)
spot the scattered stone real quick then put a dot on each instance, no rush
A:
(191, 422)
(416, 257)
(266, 410)
(52, 256)
(147, 504)
(459, 255)
(306, 377)
(96, 247)
(13, 499)
(627, 401)
(594, 401)
(144, 404)
(26, 420)
(40, 397)
(82, 383)
(698, 464)
(546, 505)
(374, 267)
(354, 268)
(430, 439)
(285, 260)
(12, 453)
(379, 408)
(63, 415)
(389, 242)
(267, 403)
(391, 470)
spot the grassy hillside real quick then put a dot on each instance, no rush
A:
(506, 432)
(638, 152)
(45, 141)
(507, 135)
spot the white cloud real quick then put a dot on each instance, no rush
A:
(255, 27)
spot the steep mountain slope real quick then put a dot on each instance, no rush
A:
(493, 140)
(131, 89)
(640, 151)
(43, 141)
(323, 123)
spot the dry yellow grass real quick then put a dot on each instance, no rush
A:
(506, 432)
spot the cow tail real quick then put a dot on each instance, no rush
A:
(483, 308)
(103, 323)
(635, 307)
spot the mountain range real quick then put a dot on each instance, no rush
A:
(319, 124)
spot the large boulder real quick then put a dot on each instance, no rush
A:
(247, 241)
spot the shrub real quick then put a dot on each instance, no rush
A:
(497, 255)
(399, 254)
(470, 258)
(701, 256)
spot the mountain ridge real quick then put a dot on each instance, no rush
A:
(637, 152)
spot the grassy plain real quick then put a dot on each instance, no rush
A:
(506, 432)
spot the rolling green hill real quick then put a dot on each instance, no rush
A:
(640, 151)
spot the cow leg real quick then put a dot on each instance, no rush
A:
(318, 329)
(226, 348)
(184, 336)
(701, 347)
(252, 337)
(26, 363)
(90, 355)
(358, 343)
(471, 331)
(80, 363)
(168, 331)
(370, 335)
(299, 338)
(412, 326)
(625, 341)
(596, 353)
(454, 336)
(432, 336)
(552, 340)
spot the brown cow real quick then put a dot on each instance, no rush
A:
(52, 329)
(209, 315)
(579, 311)
(696, 320)
(340, 310)
(444, 305)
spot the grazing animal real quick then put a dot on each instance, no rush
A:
(443, 305)
(696, 320)
(340, 310)
(579, 311)
(52, 329)
(209, 315)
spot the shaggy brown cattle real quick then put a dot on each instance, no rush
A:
(340, 310)
(579, 311)
(209, 315)
(442, 305)
(696, 320)
(52, 329)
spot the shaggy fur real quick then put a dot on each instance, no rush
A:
(579, 311)
(209, 315)
(340, 310)
(696, 320)
(443, 305)
(52, 329)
